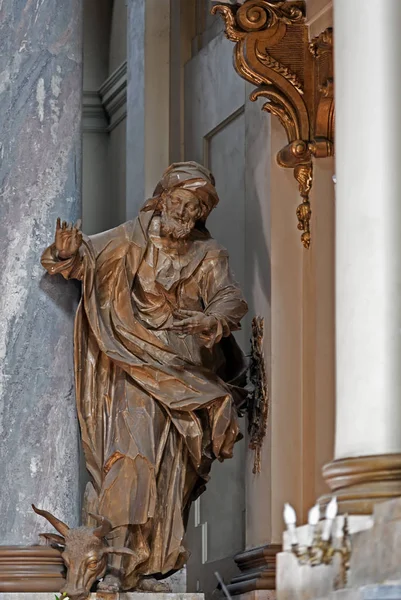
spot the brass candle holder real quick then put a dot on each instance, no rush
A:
(322, 546)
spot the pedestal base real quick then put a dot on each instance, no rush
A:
(122, 596)
(41, 569)
(360, 483)
(258, 570)
(258, 595)
(30, 569)
(376, 552)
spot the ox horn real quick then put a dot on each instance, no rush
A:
(104, 528)
(57, 524)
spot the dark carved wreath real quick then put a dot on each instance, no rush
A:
(258, 403)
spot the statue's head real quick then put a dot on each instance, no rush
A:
(184, 197)
(180, 210)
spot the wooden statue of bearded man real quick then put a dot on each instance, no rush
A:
(159, 377)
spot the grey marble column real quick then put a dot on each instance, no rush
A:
(40, 179)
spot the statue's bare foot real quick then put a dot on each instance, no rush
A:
(110, 584)
(149, 584)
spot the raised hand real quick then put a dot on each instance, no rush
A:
(68, 238)
(193, 321)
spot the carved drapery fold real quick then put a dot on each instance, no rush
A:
(295, 76)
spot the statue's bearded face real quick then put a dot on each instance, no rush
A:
(181, 210)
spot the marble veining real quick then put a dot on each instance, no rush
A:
(40, 176)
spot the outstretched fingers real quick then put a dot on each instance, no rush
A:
(65, 226)
(185, 326)
(76, 236)
(180, 324)
(188, 314)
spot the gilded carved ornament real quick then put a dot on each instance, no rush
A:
(295, 75)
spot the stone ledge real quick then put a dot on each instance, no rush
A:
(376, 553)
(103, 596)
(259, 595)
(258, 570)
(369, 592)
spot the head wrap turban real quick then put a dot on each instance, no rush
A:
(189, 176)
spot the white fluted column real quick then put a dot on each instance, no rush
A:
(368, 238)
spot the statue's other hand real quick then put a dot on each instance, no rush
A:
(68, 239)
(191, 322)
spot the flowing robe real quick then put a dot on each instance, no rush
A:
(155, 408)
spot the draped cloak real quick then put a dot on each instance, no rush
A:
(155, 408)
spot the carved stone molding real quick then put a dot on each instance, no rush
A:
(30, 569)
(105, 108)
(258, 570)
(113, 94)
(295, 75)
(94, 116)
(360, 483)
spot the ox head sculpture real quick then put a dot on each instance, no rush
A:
(85, 553)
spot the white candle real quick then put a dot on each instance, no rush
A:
(290, 519)
(313, 520)
(331, 513)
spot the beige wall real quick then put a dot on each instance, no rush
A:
(286, 354)
(319, 14)
(300, 351)
(324, 347)
(303, 365)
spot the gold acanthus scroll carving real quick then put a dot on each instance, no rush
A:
(295, 74)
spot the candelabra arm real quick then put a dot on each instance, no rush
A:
(345, 553)
(322, 552)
